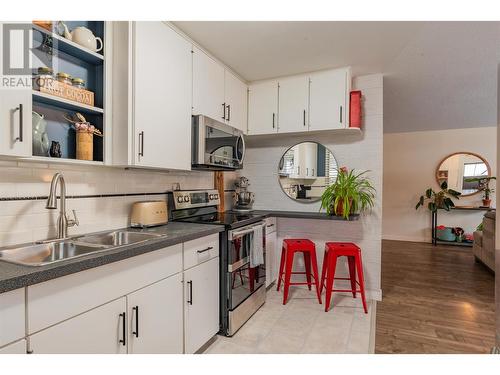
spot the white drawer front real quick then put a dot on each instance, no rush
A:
(270, 225)
(12, 316)
(53, 301)
(200, 250)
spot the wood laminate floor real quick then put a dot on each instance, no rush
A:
(435, 300)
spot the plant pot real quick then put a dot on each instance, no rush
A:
(486, 202)
(84, 145)
(340, 208)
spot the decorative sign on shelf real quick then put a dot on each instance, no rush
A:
(63, 90)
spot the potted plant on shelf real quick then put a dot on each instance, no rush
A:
(441, 199)
(351, 193)
(484, 186)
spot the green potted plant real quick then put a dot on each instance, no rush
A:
(351, 193)
(484, 186)
(441, 199)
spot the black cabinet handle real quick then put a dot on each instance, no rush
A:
(124, 329)
(190, 301)
(270, 225)
(228, 112)
(274, 115)
(136, 332)
(141, 143)
(205, 250)
(20, 109)
(341, 114)
(224, 111)
(304, 117)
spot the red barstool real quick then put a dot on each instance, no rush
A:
(333, 250)
(308, 249)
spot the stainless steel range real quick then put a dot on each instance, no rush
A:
(243, 280)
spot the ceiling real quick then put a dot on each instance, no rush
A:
(437, 75)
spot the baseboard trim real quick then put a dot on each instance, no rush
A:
(406, 239)
(373, 328)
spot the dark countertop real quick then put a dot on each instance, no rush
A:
(13, 276)
(301, 215)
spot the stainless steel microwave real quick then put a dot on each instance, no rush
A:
(215, 145)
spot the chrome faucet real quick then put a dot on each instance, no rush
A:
(62, 222)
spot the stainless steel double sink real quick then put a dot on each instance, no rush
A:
(49, 252)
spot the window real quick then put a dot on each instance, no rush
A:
(475, 170)
(331, 169)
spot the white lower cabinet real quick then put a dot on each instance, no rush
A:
(12, 316)
(98, 331)
(201, 313)
(155, 318)
(272, 252)
(18, 347)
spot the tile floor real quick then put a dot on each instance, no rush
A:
(302, 326)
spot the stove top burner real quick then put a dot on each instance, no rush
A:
(228, 218)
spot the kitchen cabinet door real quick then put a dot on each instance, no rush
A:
(305, 160)
(18, 347)
(293, 104)
(208, 86)
(12, 316)
(201, 294)
(155, 318)
(263, 108)
(98, 331)
(162, 97)
(329, 94)
(236, 94)
(272, 266)
(15, 99)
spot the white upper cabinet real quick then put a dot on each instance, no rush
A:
(152, 96)
(208, 86)
(328, 101)
(15, 102)
(235, 93)
(162, 97)
(217, 93)
(293, 104)
(305, 160)
(263, 108)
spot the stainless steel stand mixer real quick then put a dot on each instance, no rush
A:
(243, 199)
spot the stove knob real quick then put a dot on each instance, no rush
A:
(211, 197)
(216, 196)
(186, 198)
(179, 199)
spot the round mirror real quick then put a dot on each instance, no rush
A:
(459, 169)
(306, 170)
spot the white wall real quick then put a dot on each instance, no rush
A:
(410, 162)
(28, 220)
(358, 152)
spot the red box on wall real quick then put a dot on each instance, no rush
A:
(355, 109)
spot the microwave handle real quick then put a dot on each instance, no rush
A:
(242, 140)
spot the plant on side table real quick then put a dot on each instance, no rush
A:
(351, 193)
(438, 200)
(484, 186)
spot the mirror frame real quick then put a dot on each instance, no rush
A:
(461, 153)
(278, 169)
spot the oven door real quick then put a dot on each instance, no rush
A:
(219, 146)
(243, 280)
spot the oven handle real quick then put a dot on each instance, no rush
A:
(235, 234)
(238, 264)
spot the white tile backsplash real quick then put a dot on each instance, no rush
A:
(28, 220)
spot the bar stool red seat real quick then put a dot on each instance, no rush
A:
(333, 250)
(288, 250)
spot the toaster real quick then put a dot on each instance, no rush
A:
(148, 214)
